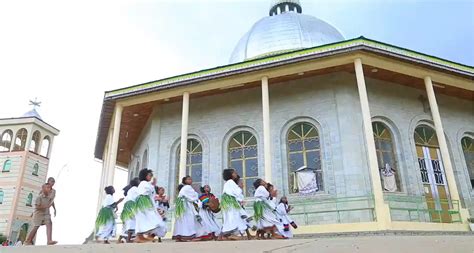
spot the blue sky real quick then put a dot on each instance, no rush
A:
(67, 53)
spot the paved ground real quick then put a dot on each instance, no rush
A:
(365, 244)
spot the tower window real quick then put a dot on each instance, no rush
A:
(7, 166)
(29, 199)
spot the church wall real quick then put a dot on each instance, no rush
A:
(36, 180)
(331, 103)
(318, 100)
(401, 108)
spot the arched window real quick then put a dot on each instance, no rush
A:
(35, 169)
(137, 169)
(304, 149)
(29, 199)
(145, 159)
(1, 196)
(7, 166)
(468, 150)
(385, 147)
(20, 140)
(243, 157)
(193, 163)
(6, 141)
(45, 147)
(34, 144)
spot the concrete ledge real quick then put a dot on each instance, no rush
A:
(353, 244)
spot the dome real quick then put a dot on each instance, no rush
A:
(286, 29)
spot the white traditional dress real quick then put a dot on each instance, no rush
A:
(105, 222)
(129, 210)
(187, 226)
(208, 218)
(231, 209)
(264, 210)
(147, 218)
(285, 219)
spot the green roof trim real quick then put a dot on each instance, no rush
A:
(361, 41)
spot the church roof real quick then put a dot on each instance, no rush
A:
(360, 43)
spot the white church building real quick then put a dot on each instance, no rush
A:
(359, 134)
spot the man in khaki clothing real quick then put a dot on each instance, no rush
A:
(41, 215)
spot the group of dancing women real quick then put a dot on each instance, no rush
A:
(145, 209)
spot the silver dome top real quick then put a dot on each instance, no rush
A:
(286, 29)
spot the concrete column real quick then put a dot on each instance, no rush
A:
(112, 159)
(104, 171)
(443, 146)
(267, 142)
(382, 210)
(50, 147)
(184, 136)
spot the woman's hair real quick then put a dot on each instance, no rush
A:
(283, 197)
(202, 188)
(227, 174)
(109, 189)
(183, 180)
(257, 183)
(180, 186)
(143, 173)
(269, 186)
(125, 190)
(135, 182)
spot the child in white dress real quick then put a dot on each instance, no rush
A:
(283, 210)
(148, 221)
(188, 224)
(231, 207)
(105, 222)
(129, 209)
(208, 218)
(264, 211)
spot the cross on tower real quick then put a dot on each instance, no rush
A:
(35, 103)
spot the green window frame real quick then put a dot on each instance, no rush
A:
(385, 148)
(467, 144)
(243, 157)
(29, 199)
(2, 194)
(304, 149)
(7, 165)
(35, 169)
(193, 163)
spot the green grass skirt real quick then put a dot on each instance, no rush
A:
(259, 208)
(106, 214)
(228, 202)
(129, 211)
(144, 203)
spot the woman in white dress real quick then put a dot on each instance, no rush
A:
(105, 222)
(187, 224)
(208, 218)
(283, 210)
(129, 209)
(264, 211)
(231, 207)
(147, 220)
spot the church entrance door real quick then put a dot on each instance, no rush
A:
(434, 183)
